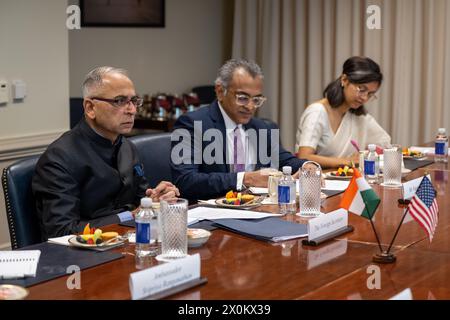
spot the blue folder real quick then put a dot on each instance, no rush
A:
(413, 164)
(267, 229)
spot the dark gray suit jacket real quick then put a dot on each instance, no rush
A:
(83, 178)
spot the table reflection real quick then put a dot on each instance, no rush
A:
(238, 267)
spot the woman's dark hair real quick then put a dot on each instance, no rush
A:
(358, 70)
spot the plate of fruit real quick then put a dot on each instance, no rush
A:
(342, 173)
(96, 238)
(412, 154)
(235, 199)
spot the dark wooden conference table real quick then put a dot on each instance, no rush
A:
(238, 267)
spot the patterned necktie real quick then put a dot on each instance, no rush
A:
(238, 152)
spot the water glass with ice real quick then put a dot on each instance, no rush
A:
(173, 222)
(310, 181)
(392, 166)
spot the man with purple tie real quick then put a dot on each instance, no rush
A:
(223, 146)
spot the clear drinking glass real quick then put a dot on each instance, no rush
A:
(310, 181)
(273, 187)
(392, 166)
(173, 217)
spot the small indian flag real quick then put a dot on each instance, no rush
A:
(359, 198)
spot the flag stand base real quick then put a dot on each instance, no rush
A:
(384, 258)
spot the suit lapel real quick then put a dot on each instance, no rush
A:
(219, 123)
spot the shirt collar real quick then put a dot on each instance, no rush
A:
(96, 136)
(229, 124)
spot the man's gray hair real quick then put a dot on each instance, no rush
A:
(227, 70)
(94, 78)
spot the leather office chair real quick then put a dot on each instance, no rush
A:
(270, 123)
(154, 152)
(76, 111)
(23, 223)
(206, 94)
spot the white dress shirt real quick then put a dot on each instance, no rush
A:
(230, 125)
(314, 131)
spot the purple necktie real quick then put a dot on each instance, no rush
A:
(238, 152)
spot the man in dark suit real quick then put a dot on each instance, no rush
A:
(92, 174)
(222, 147)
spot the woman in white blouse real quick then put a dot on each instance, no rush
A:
(327, 126)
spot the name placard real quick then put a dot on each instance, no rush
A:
(164, 277)
(410, 187)
(327, 223)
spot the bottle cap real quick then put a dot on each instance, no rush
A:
(287, 170)
(372, 147)
(146, 202)
(441, 130)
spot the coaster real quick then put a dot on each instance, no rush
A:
(391, 185)
(162, 258)
(308, 215)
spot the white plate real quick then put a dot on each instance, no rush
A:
(419, 157)
(328, 175)
(73, 241)
(253, 204)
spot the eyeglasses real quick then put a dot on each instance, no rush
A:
(364, 93)
(122, 101)
(244, 100)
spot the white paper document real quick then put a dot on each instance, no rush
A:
(258, 191)
(329, 185)
(203, 213)
(337, 185)
(191, 220)
(19, 263)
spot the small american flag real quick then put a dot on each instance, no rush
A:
(424, 208)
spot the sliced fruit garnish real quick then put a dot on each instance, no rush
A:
(230, 194)
(86, 237)
(109, 235)
(87, 229)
